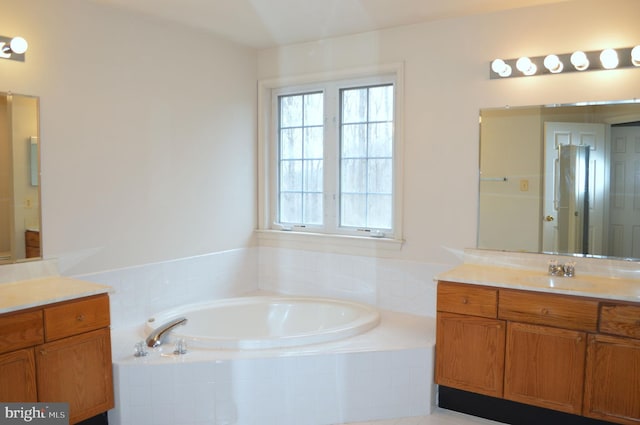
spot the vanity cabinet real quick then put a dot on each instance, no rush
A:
(612, 388)
(469, 339)
(571, 354)
(59, 353)
(18, 376)
(546, 347)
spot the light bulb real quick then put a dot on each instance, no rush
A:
(525, 66)
(553, 64)
(635, 56)
(18, 45)
(501, 68)
(580, 61)
(609, 59)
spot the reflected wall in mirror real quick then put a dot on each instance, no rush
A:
(561, 179)
(20, 233)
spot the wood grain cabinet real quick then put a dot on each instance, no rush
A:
(469, 339)
(32, 243)
(570, 354)
(64, 355)
(612, 387)
(546, 347)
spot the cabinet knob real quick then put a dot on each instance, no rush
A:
(544, 311)
(579, 339)
(43, 352)
(80, 317)
(465, 300)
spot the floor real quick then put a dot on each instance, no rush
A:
(438, 417)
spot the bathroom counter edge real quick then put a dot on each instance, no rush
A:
(25, 294)
(614, 288)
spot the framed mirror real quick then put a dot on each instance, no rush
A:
(561, 179)
(20, 216)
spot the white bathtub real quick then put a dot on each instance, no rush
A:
(263, 322)
(384, 373)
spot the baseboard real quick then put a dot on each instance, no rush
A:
(506, 411)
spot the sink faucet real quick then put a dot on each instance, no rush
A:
(567, 270)
(156, 338)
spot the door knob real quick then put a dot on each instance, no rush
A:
(549, 218)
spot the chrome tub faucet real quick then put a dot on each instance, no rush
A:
(157, 336)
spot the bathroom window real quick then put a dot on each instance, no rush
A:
(331, 159)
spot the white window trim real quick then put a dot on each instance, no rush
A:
(266, 161)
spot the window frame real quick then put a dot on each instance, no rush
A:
(268, 92)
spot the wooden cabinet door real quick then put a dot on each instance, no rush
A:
(544, 366)
(77, 370)
(18, 376)
(470, 353)
(612, 390)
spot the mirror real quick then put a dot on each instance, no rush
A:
(20, 233)
(561, 179)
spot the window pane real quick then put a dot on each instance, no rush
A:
(353, 176)
(379, 209)
(290, 175)
(291, 143)
(354, 141)
(380, 176)
(313, 176)
(301, 153)
(366, 161)
(290, 207)
(381, 140)
(313, 109)
(313, 208)
(354, 105)
(353, 209)
(313, 142)
(381, 103)
(290, 111)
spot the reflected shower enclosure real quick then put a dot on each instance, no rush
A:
(572, 199)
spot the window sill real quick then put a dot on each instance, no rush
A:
(355, 245)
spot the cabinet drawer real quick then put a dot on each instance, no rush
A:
(467, 299)
(76, 317)
(549, 309)
(20, 330)
(620, 319)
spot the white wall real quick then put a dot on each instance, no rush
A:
(147, 130)
(447, 83)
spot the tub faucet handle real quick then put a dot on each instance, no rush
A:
(180, 347)
(140, 350)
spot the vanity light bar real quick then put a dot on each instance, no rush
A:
(578, 61)
(13, 48)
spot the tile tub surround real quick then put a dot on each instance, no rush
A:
(390, 284)
(381, 374)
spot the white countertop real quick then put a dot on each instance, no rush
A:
(615, 288)
(37, 292)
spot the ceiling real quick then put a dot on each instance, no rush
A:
(268, 23)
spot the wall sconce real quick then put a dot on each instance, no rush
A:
(13, 48)
(627, 57)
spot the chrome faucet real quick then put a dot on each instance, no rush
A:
(567, 270)
(156, 338)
